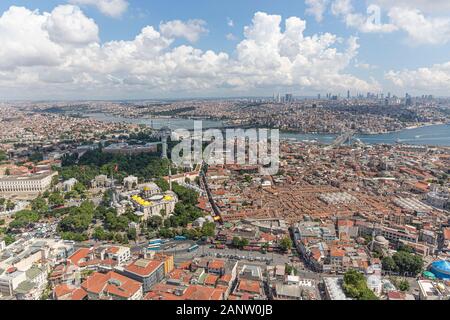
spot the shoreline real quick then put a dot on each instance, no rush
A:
(384, 137)
(421, 125)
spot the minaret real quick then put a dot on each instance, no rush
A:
(164, 147)
(373, 238)
(170, 177)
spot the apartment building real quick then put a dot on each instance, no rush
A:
(148, 272)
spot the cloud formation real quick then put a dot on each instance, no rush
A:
(428, 79)
(316, 8)
(408, 16)
(112, 8)
(190, 30)
(59, 54)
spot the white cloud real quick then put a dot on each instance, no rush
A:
(112, 8)
(365, 66)
(316, 8)
(67, 24)
(231, 37)
(24, 42)
(369, 22)
(230, 22)
(427, 6)
(190, 30)
(421, 30)
(429, 79)
(33, 62)
(403, 15)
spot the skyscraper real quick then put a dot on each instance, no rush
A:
(288, 97)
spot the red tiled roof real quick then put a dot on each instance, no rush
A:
(79, 294)
(396, 295)
(447, 233)
(336, 252)
(197, 292)
(185, 265)
(211, 279)
(216, 264)
(113, 250)
(149, 268)
(225, 278)
(62, 290)
(79, 255)
(71, 292)
(111, 284)
(345, 223)
(249, 286)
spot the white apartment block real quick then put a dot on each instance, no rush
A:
(119, 254)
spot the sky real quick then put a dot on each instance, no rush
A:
(149, 49)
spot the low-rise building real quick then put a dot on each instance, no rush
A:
(34, 285)
(112, 286)
(26, 185)
(333, 288)
(430, 290)
(148, 272)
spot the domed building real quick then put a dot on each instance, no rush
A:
(441, 269)
(380, 243)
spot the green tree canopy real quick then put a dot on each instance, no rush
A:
(355, 286)
(286, 243)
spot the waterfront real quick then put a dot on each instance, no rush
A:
(436, 135)
(155, 123)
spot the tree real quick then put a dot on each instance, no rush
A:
(56, 199)
(286, 243)
(208, 229)
(79, 218)
(162, 184)
(79, 188)
(23, 219)
(39, 205)
(132, 234)
(10, 205)
(289, 269)
(388, 264)
(155, 222)
(100, 234)
(185, 195)
(404, 285)
(355, 286)
(118, 237)
(3, 156)
(167, 223)
(36, 157)
(9, 239)
(240, 242)
(408, 263)
(236, 241)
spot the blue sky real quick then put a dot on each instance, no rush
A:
(408, 52)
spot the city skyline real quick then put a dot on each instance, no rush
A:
(123, 50)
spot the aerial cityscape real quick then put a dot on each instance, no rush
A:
(110, 191)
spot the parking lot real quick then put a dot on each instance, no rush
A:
(235, 254)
